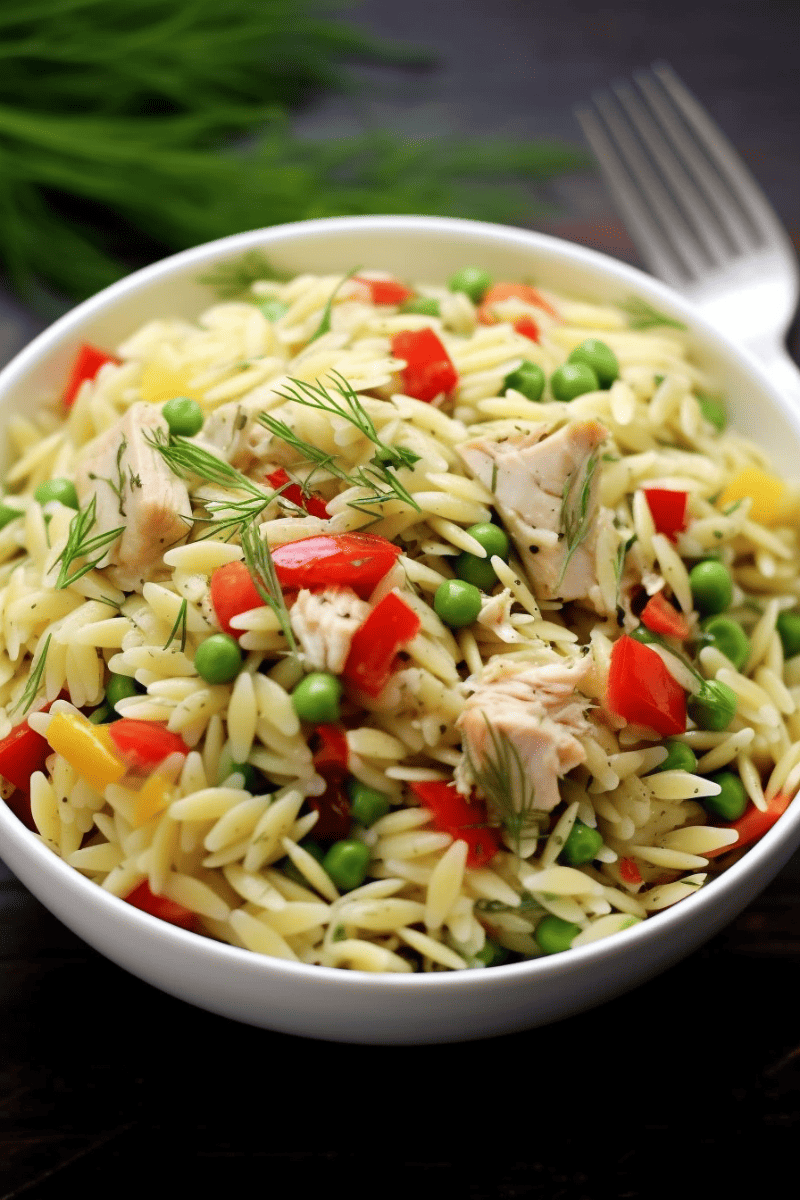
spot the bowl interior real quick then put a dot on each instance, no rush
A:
(348, 1005)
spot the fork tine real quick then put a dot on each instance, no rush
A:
(653, 245)
(742, 187)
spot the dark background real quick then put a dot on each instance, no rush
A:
(687, 1084)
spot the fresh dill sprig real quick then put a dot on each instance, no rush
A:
(186, 458)
(258, 561)
(619, 562)
(325, 323)
(233, 279)
(574, 518)
(344, 402)
(510, 793)
(81, 545)
(642, 315)
(34, 679)
(179, 628)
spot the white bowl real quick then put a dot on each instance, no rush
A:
(348, 1005)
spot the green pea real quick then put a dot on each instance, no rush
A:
(346, 862)
(713, 410)
(599, 357)
(714, 706)
(712, 586)
(680, 757)
(8, 513)
(457, 602)
(227, 767)
(789, 632)
(367, 804)
(184, 416)
(218, 659)
(103, 715)
(554, 935)
(728, 637)
(474, 570)
(120, 687)
(273, 309)
(423, 306)
(471, 280)
(316, 698)
(492, 538)
(491, 954)
(731, 802)
(581, 845)
(479, 571)
(529, 379)
(62, 490)
(571, 380)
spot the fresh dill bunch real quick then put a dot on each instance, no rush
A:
(131, 131)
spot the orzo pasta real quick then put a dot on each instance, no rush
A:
(397, 627)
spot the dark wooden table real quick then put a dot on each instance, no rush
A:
(691, 1081)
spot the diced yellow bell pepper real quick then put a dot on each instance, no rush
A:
(772, 502)
(162, 381)
(151, 800)
(88, 748)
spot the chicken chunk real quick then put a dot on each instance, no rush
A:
(324, 624)
(546, 488)
(134, 488)
(528, 722)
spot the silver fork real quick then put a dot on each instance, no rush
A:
(695, 213)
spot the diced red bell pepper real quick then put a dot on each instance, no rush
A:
(429, 370)
(385, 291)
(144, 745)
(668, 509)
(333, 751)
(753, 824)
(233, 592)
(159, 906)
(629, 872)
(373, 651)
(463, 819)
(88, 362)
(295, 494)
(528, 328)
(641, 689)
(22, 752)
(355, 560)
(662, 617)
(504, 291)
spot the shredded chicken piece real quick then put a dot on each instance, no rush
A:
(538, 711)
(546, 485)
(133, 487)
(324, 624)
